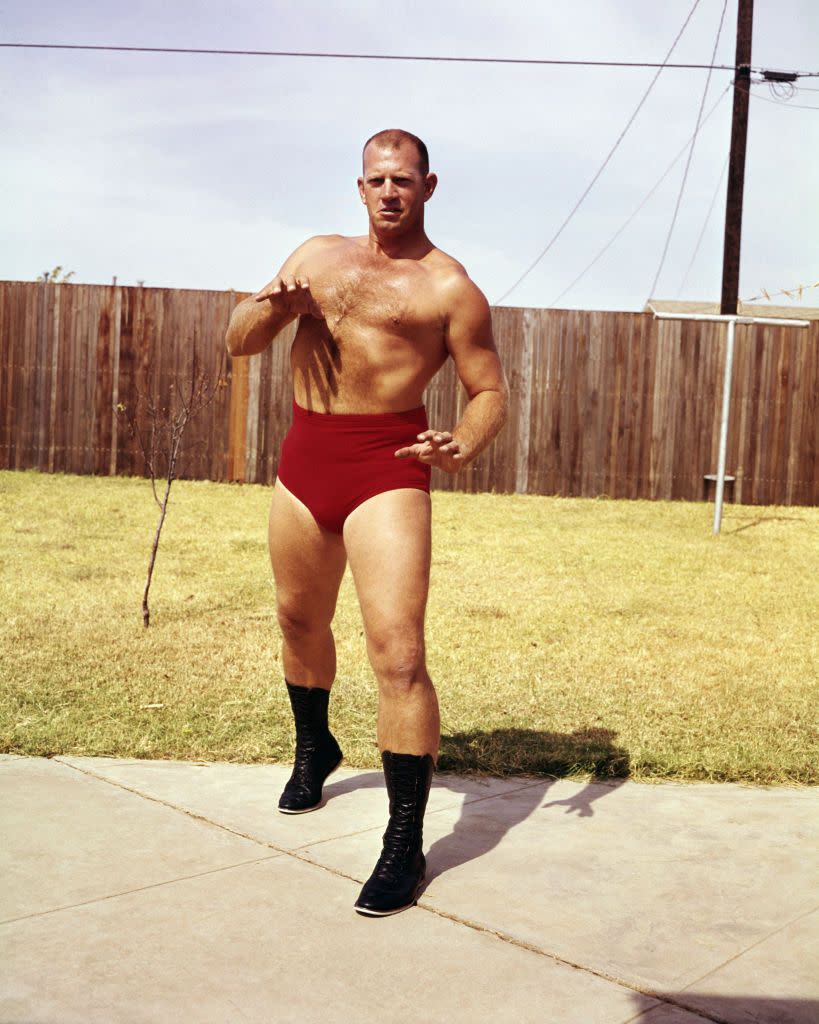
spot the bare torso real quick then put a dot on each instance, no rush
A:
(383, 336)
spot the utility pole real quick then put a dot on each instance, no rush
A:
(736, 166)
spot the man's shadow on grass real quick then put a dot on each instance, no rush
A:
(532, 762)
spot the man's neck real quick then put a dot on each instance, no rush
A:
(407, 247)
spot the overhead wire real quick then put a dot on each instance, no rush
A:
(783, 103)
(214, 51)
(690, 155)
(705, 224)
(331, 55)
(603, 166)
(641, 204)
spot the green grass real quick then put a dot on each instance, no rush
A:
(565, 636)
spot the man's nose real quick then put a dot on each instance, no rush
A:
(389, 187)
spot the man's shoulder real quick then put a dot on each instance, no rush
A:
(319, 243)
(453, 280)
(324, 247)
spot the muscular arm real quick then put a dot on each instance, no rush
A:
(469, 339)
(256, 321)
(470, 343)
(472, 347)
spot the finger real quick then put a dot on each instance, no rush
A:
(274, 288)
(426, 435)
(442, 437)
(449, 449)
(413, 451)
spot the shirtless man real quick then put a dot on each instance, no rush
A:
(378, 316)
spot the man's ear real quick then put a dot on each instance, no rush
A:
(361, 190)
(430, 182)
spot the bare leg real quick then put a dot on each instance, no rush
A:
(388, 541)
(308, 564)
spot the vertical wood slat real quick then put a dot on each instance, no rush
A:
(237, 440)
(524, 431)
(54, 361)
(252, 421)
(115, 345)
(602, 403)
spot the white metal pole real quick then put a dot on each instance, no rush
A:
(723, 426)
(732, 321)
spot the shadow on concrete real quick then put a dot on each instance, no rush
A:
(727, 1009)
(533, 759)
(549, 755)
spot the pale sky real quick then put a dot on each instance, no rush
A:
(206, 171)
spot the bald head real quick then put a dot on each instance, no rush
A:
(393, 138)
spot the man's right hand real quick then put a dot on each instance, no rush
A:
(291, 294)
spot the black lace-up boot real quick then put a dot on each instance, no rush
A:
(397, 878)
(317, 753)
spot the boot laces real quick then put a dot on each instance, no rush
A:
(308, 743)
(398, 843)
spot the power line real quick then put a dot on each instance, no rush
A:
(639, 207)
(603, 166)
(783, 103)
(688, 161)
(705, 224)
(378, 56)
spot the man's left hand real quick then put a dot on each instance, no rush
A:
(435, 448)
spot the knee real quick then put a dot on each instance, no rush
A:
(398, 662)
(297, 623)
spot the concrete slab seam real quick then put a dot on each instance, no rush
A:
(140, 888)
(207, 821)
(429, 814)
(660, 997)
(753, 945)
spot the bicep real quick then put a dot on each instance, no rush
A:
(471, 344)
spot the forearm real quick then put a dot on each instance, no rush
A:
(481, 422)
(253, 325)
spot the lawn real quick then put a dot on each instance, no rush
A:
(565, 636)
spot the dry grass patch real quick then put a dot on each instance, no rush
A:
(566, 636)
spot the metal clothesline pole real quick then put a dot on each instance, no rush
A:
(727, 380)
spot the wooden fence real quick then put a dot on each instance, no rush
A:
(618, 404)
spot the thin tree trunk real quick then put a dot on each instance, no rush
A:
(146, 615)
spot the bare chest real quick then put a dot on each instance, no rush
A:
(361, 298)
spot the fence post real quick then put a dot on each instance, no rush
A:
(525, 404)
(55, 356)
(112, 465)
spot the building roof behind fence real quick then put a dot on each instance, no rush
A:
(745, 309)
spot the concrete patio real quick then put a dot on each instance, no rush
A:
(145, 891)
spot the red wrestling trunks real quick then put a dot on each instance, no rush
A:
(332, 462)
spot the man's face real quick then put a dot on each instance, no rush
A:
(393, 188)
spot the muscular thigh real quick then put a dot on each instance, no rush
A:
(388, 540)
(308, 561)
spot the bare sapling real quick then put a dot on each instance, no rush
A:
(159, 428)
